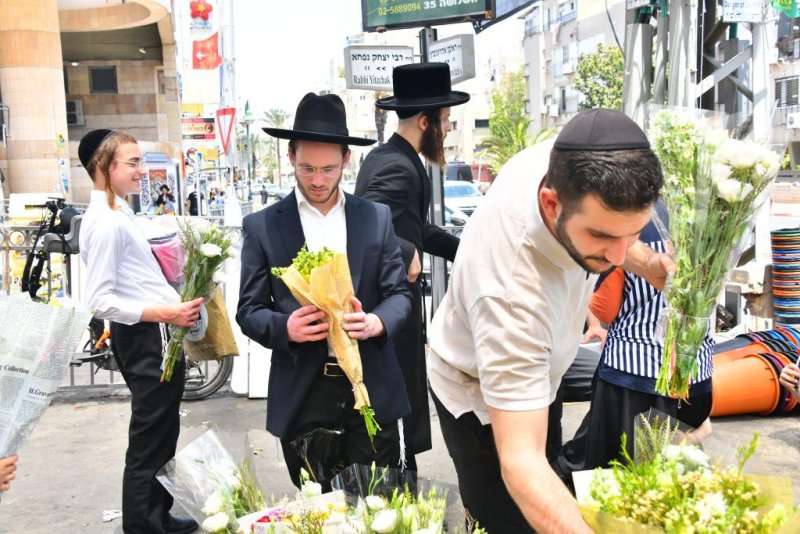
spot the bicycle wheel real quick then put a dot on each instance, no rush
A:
(205, 378)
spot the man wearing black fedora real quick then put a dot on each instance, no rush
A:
(393, 174)
(311, 403)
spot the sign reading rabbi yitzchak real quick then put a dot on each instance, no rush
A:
(370, 67)
(391, 14)
(458, 52)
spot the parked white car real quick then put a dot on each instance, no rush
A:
(462, 196)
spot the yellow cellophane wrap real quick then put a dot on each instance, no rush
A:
(330, 290)
(777, 490)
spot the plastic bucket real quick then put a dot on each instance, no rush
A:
(745, 386)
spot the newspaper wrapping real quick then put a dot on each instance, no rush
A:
(37, 342)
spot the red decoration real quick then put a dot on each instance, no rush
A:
(205, 53)
(201, 9)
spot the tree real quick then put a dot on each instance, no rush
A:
(599, 78)
(508, 125)
(276, 118)
(380, 117)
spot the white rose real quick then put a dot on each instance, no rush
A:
(216, 523)
(219, 277)
(732, 190)
(768, 167)
(384, 521)
(719, 172)
(672, 452)
(311, 489)
(695, 457)
(375, 502)
(210, 250)
(715, 137)
(738, 153)
(214, 503)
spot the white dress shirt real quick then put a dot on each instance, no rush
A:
(122, 275)
(323, 230)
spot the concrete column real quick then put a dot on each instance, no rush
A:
(32, 86)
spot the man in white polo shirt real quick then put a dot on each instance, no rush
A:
(510, 323)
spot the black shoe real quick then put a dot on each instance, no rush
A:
(179, 525)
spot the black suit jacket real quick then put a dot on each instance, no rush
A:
(272, 238)
(393, 174)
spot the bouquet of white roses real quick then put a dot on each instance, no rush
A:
(713, 187)
(214, 489)
(206, 251)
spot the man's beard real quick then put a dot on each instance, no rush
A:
(432, 143)
(563, 237)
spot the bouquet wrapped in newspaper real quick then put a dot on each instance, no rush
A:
(323, 279)
(214, 489)
(714, 185)
(676, 485)
(206, 249)
(37, 343)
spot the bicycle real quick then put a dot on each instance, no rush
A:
(58, 231)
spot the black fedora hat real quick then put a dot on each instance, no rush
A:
(422, 86)
(320, 118)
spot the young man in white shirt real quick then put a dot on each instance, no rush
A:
(510, 323)
(126, 286)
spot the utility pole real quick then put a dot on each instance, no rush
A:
(438, 265)
(233, 209)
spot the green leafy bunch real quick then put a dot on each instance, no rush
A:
(678, 491)
(306, 261)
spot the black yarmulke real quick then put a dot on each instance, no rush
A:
(90, 143)
(601, 129)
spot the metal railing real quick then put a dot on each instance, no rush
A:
(16, 241)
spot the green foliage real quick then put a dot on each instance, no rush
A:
(678, 490)
(599, 78)
(306, 261)
(508, 125)
(276, 118)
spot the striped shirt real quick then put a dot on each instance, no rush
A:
(632, 356)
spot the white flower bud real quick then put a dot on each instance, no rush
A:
(216, 523)
(214, 503)
(210, 250)
(732, 190)
(311, 489)
(384, 521)
(375, 502)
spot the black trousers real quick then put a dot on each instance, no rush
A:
(612, 412)
(329, 405)
(154, 425)
(483, 492)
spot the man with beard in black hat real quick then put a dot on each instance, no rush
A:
(311, 402)
(393, 174)
(510, 323)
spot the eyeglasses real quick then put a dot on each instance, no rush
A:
(307, 171)
(134, 164)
